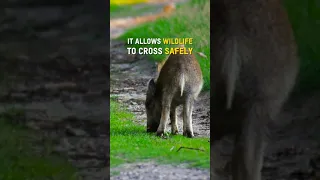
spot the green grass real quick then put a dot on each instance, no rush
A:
(114, 8)
(179, 26)
(119, 11)
(131, 143)
(19, 159)
(305, 20)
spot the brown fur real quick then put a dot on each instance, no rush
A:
(179, 82)
(254, 69)
(161, 63)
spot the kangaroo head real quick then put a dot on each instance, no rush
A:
(153, 108)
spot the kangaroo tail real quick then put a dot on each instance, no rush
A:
(231, 69)
(182, 83)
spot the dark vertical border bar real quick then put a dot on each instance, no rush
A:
(217, 27)
(211, 27)
(211, 77)
(101, 10)
(107, 32)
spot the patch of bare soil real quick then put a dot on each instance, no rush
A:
(154, 171)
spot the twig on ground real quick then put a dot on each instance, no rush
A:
(190, 148)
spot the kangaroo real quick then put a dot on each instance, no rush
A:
(179, 82)
(254, 69)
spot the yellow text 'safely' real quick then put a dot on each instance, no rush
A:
(178, 50)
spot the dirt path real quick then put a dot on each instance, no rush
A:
(56, 70)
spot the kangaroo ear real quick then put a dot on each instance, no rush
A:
(159, 66)
(151, 87)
